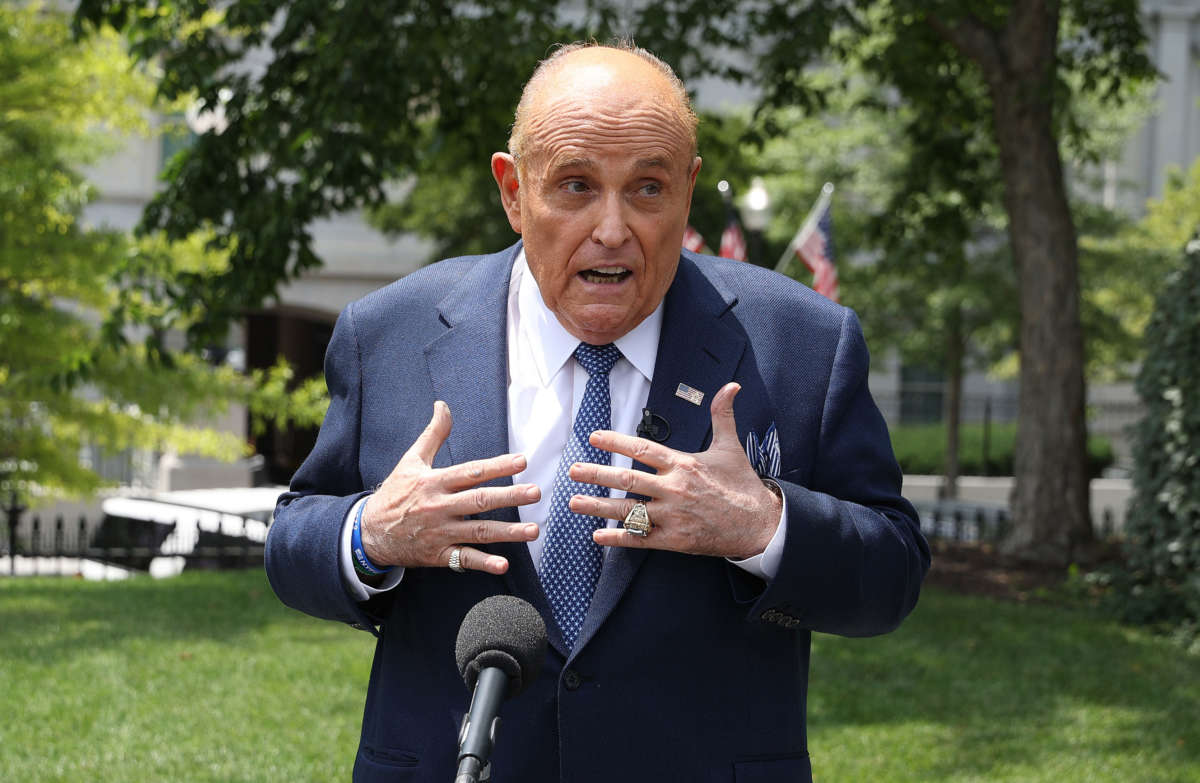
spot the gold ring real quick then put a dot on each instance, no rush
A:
(456, 561)
(637, 521)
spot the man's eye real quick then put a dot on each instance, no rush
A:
(575, 186)
(650, 189)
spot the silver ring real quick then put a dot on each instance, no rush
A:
(456, 560)
(637, 521)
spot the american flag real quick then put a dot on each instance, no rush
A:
(816, 251)
(733, 244)
(692, 240)
(813, 244)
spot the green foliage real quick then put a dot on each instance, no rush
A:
(1123, 264)
(82, 360)
(1162, 529)
(921, 449)
(275, 396)
(345, 104)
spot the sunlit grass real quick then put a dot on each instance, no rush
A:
(208, 678)
(971, 689)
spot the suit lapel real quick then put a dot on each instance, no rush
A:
(468, 370)
(696, 348)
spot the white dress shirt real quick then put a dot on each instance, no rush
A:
(545, 389)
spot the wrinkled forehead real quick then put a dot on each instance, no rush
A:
(605, 98)
(604, 119)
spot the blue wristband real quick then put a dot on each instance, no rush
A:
(362, 563)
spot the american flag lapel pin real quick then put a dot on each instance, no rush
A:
(694, 396)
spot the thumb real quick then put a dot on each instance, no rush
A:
(434, 435)
(724, 426)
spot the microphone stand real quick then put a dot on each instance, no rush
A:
(478, 734)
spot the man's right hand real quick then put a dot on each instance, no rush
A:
(417, 517)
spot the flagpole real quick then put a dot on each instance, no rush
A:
(807, 227)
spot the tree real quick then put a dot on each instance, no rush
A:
(1162, 531)
(904, 264)
(74, 376)
(1025, 55)
(325, 109)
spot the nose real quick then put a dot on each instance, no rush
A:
(612, 229)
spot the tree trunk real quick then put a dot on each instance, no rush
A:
(1051, 522)
(1050, 496)
(952, 410)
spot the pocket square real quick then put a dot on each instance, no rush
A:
(764, 452)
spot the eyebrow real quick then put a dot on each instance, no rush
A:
(652, 163)
(576, 163)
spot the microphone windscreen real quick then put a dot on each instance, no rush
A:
(502, 631)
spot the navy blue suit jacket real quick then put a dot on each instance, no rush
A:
(687, 667)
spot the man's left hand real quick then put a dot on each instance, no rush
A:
(710, 503)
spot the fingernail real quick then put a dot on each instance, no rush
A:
(518, 462)
(532, 493)
(496, 562)
(531, 530)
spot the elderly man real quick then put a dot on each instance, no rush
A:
(680, 573)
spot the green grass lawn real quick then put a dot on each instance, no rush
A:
(208, 678)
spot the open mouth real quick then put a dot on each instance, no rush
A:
(605, 274)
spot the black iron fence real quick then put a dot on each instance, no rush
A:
(161, 539)
(951, 520)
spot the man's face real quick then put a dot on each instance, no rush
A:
(601, 202)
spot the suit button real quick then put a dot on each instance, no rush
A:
(572, 680)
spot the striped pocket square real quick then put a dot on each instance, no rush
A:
(764, 452)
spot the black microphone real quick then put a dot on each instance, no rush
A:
(653, 427)
(500, 647)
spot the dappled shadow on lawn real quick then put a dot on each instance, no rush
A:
(42, 619)
(1011, 684)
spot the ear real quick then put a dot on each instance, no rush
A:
(692, 179)
(504, 170)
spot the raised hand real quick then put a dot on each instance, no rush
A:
(710, 503)
(417, 516)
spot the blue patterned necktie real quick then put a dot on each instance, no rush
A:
(570, 559)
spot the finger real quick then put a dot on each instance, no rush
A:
(468, 474)
(609, 508)
(618, 536)
(474, 560)
(488, 531)
(644, 451)
(724, 426)
(481, 499)
(434, 435)
(625, 479)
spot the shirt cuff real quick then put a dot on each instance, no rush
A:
(359, 590)
(765, 565)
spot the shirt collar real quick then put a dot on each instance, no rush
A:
(550, 345)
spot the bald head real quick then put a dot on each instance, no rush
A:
(620, 74)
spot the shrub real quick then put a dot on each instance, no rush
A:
(921, 449)
(1161, 581)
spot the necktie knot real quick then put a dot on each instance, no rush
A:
(597, 359)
